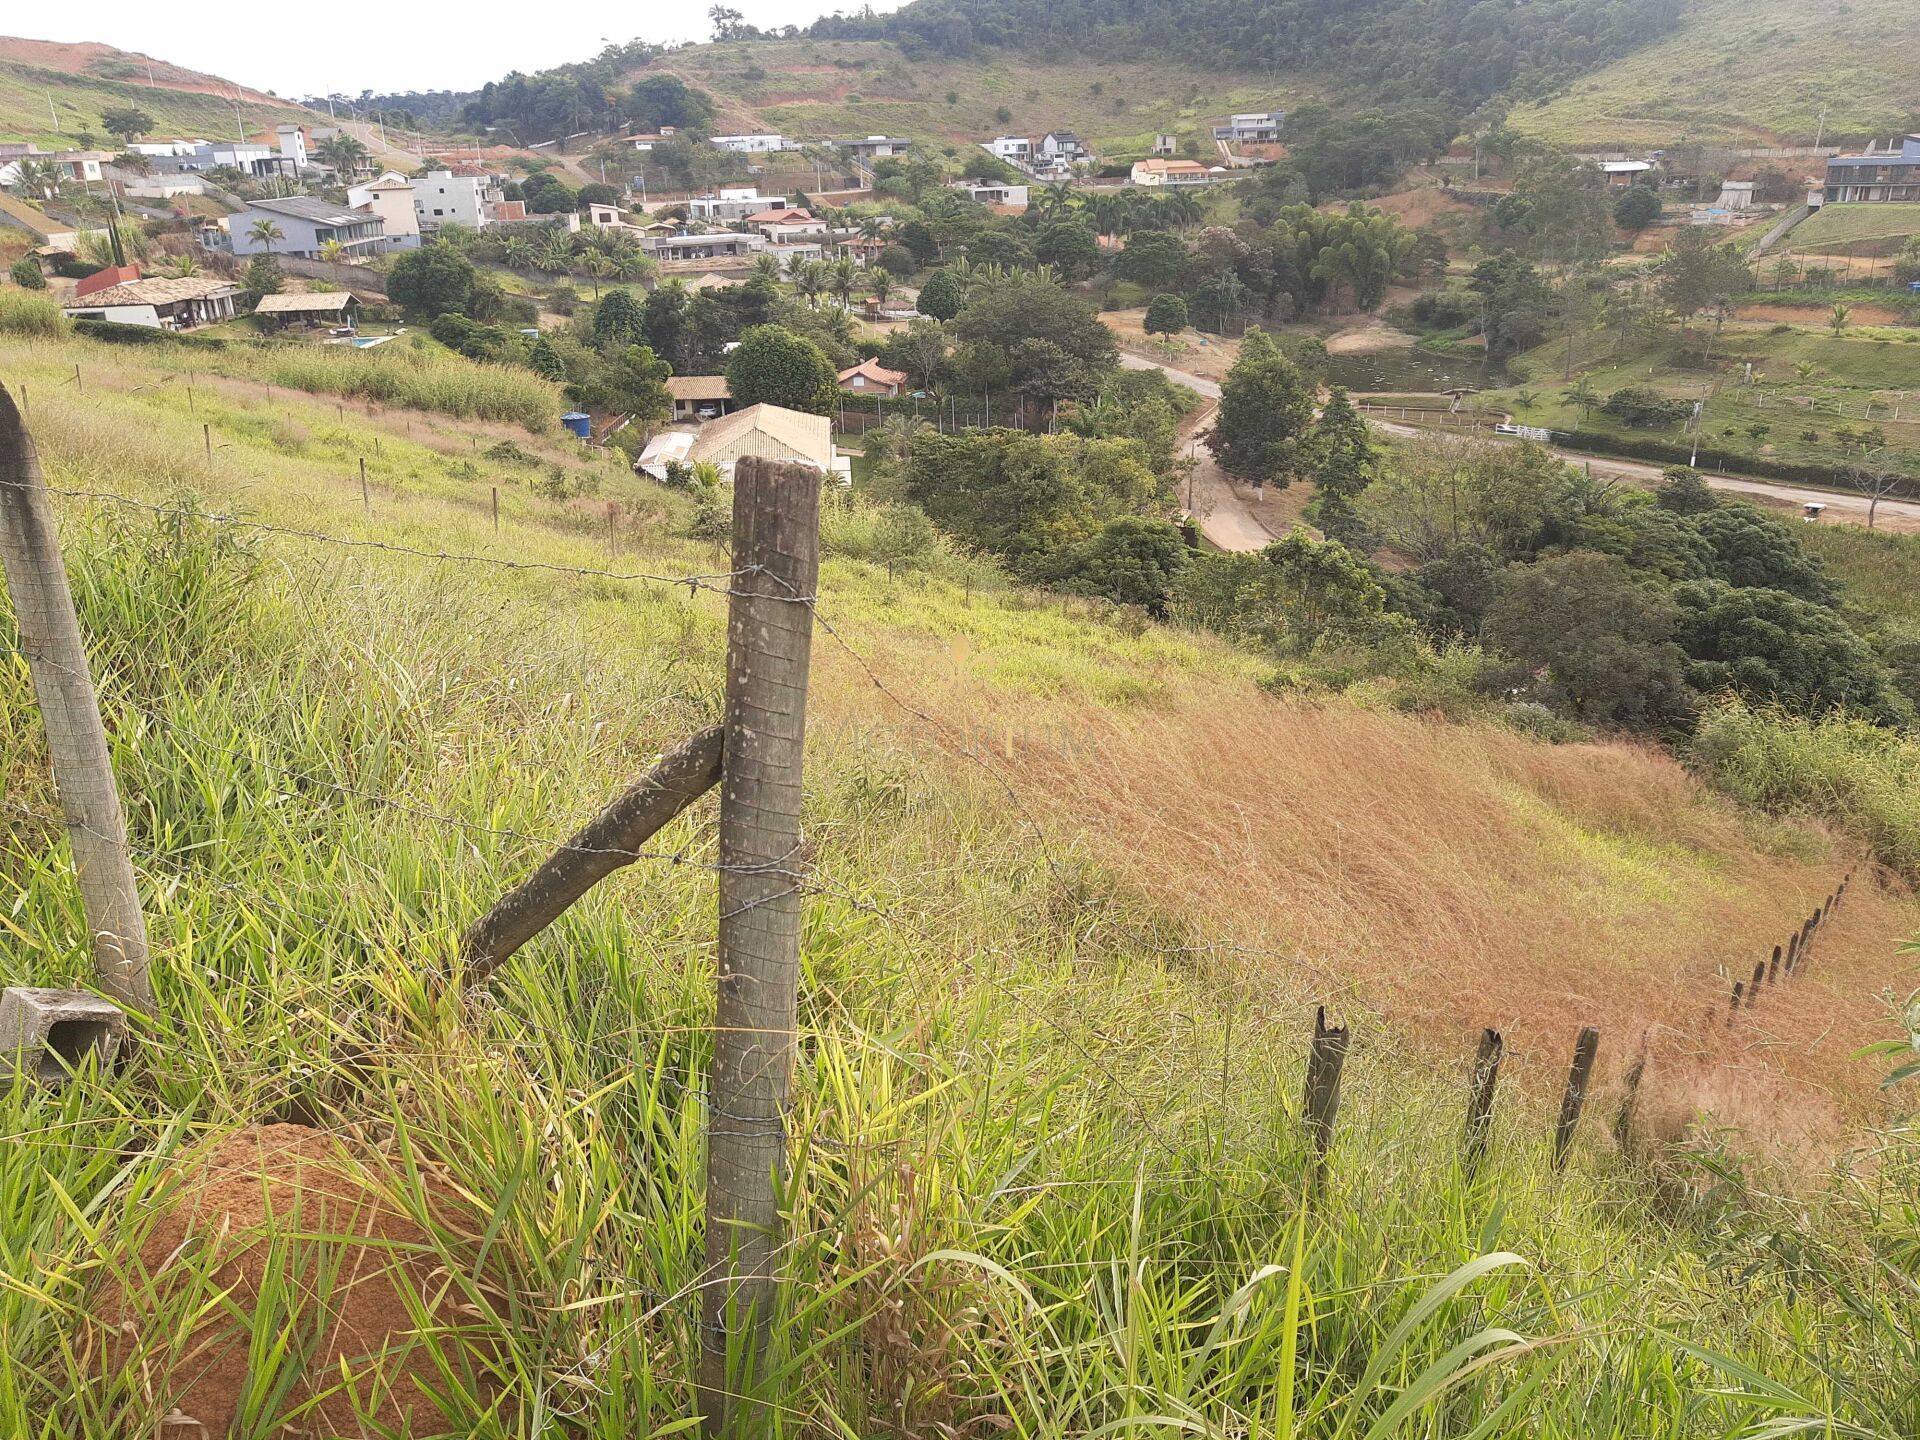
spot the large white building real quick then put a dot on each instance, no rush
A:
(441, 197)
(390, 196)
(753, 144)
(729, 204)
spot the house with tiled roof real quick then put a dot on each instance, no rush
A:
(162, 302)
(870, 377)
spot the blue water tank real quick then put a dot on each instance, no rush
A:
(579, 423)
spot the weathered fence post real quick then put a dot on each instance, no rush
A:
(1733, 1001)
(206, 434)
(1571, 1104)
(1486, 1075)
(1630, 1102)
(1753, 985)
(70, 711)
(1793, 952)
(496, 509)
(366, 495)
(1773, 967)
(1322, 1100)
(776, 529)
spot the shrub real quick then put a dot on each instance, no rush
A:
(1644, 408)
(26, 274)
(25, 312)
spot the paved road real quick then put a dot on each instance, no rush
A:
(1223, 517)
(1898, 515)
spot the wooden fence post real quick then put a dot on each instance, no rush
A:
(1571, 1104)
(1793, 952)
(496, 509)
(776, 530)
(1486, 1075)
(1322, 1100)
(1773, 967)
(1753, 985)
(1630, 1102)
(76, 739)
(366, 496)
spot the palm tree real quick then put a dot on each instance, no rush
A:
(263, 232)
(1839, 316)
(596, 267)
(879, 284)
(872, 227)
(183, 267)
(342, 152)
(902, 431)
(810, 278)
(1584, 395)
(517, 251)
(1056, 200)
(632, 264)
(844, 277)
(556, 255)
(765, 267)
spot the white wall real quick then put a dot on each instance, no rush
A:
(443, 198)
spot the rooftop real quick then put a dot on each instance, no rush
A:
(159, 290)
(302, 207)
(698, 387)
(873, 370)
(320, 302)
(801, 434)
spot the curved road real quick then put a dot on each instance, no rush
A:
(1231, 526)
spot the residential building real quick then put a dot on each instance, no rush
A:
(606, 217)
(391, 198)
(785, 223)
(753, 144)
(1622, 173)
(1254, 127)
(157, 149)
(720, 245)
(1159, 172)
(875, 147)
(1166, 144)
(1014, 149)
(335, 309)
(1063, 147)
(79, 166)
(648, 139)
(105, 279)
(994, 194)
(160, 303)
(796, 252)
(253, 157)
(771, 432)
(306, 225)
(870, 377)
(726, 205)
(443, 198)
(1878, 176)
(699, 397)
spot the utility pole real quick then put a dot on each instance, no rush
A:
(70, 712)
(1820, 134)
(776, 530)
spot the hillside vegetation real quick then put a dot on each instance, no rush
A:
(1756, 72)
(83, 80)
(1051, 1032)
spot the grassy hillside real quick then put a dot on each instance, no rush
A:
(84, 80)
(842, 88)
(1752, 71)
(1838, 224)
(1079, 880)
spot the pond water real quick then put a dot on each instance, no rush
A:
(1409, 369)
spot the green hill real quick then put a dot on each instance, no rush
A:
(53, 94)
(1759, 72)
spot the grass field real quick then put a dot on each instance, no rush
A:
(1835, 224)
(79, 99)
(1079, 880)
(842, 88)
(1753, 71)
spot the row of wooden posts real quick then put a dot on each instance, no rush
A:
(1788, 960)
(1328, 1054)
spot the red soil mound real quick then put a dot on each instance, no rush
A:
(286, 1210)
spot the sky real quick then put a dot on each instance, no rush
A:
(293, 50)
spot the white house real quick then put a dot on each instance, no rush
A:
(784, 223)
(1158, 171)
(1623, 173)
(1014, 149)
(1254, 127)
(994, 194)
(153, 149)
(1063, 146)
(444, 198)
(391, 198)
(875, 147)
(647, 140)
(774, 433)
(753, 144)
(160, 303)
(730, 203)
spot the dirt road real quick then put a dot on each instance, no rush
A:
(1899, 516)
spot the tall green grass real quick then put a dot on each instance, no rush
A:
(27, 312)
(396, 374)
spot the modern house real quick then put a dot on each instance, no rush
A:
(1876, 177)
(699, 397)
(160, 303)
(441, 197)
(994, 194)
(1063, 147)
(753, 144)
(255, 157)
(729, 204)
(1255, 127)
(1014, 149)
(722, 245)
(335, 309)
(305, 225)
(390, 197)
(870, 377)
(875, 147)
(1158, 172)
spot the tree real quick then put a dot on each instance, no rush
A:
(261, 277)
(940, 296)
(903, 536)
(1346, 455)
(1599, 642)
(431, 281)
(1699, 275)
(334, 252)
(342, 152)
(921, 350)
(774, 366)
(1752, 550)
(1777, 649)
(129, 122)
(1583, 394)
(543, 358)
(1166, 315)
(1069, 246)
(1684, 491)
(1877, 474)
(618, 321)
(596, 267)
(659, 100)
(879, 283)
(1637, 208)
(843, 278)
(1322, 586)
(1838, 317)
(1034, 326)
(1155, 258)
(1263, 431)
(1133, 560)
(26, 274)
(265, 233)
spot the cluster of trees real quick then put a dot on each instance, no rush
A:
(1462, 51)
(552, 104)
